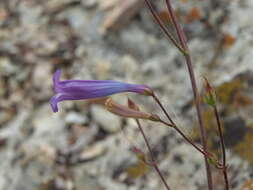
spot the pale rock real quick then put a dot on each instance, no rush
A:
(108, 121)
(102, 69)
(75, 118)
(89, 3)
(42, 73)
(49, 127)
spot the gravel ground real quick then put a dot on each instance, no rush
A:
(83, 146)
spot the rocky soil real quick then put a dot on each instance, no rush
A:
(83, 147)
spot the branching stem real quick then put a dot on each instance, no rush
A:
(163, 27)
(173, 125)
(183, 42)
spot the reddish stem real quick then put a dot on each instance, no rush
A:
(223, 149)
(183, 43)
(173, 125)
(184, 50)
(180, 32)
(154, 164)
(164, 110)
(186, 138)
(163, 27)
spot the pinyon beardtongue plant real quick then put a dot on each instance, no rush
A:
(88, 89)
(101, 89)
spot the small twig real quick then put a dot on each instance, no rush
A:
(163, 27)
(186, 138)
(224, 164)
(211, 99)
(162, 107)
(180, 32)
(173, 125)
(154, 164)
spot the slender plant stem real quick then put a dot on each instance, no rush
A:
(200, 120)
(186, 138)
(187, 56)
(222, 142)
(173, 125)
(162, 107)
(185, 51)
(180, 32)
(154, 163)
(163, 27)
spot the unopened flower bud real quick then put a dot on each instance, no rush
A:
(210, 96)
(124, 111)
(134, 106)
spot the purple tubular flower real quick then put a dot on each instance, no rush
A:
(87, 89)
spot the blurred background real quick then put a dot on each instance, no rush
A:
(83, 147)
